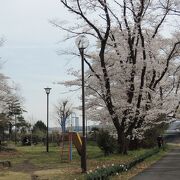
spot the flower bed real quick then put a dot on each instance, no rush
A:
(104, 172)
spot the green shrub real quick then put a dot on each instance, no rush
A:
(106, 142)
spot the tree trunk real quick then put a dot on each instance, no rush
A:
(10, 131)
(122, 140)
(122, 143)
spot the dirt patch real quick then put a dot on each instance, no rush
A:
(25, 166)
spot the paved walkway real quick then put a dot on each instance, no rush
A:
(168, 168)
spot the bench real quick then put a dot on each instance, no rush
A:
(5, 163)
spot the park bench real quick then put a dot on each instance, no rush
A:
(5, 163)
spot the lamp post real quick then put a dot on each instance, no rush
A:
(82, 43)
(47, 136)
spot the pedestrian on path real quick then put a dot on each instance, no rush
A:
(160, 141)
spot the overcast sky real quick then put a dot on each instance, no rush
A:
(30, 52)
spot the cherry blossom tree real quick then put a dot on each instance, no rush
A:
(133, 65)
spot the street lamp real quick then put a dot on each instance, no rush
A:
(82, 43)
(47, 137)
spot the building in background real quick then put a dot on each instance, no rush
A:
(76, 124)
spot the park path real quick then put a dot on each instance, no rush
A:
(168, 168)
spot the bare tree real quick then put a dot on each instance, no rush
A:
(63, 110)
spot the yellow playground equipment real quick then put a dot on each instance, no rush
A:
(70, 138)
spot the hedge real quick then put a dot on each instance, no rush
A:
(104, 172)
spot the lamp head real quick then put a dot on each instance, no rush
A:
(82, 42)
(47, 89)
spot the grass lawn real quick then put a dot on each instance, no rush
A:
(30, 161)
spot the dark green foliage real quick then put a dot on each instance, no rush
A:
(39, 125)
(134, 144)
(106, 142)
(38, 136)
(151, 135)
(15, 118)
(104, 172)
(39, 132)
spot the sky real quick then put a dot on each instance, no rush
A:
(30, 53)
